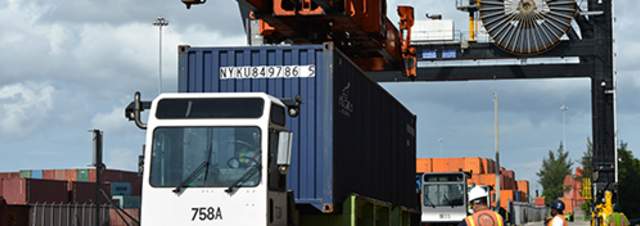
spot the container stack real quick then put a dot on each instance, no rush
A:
(68, 185)
(482, 172)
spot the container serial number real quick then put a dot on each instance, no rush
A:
(268, 72)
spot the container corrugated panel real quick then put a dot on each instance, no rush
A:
(116, 220)
(60, 174)
(351, 135)
(36, 174)
(9, 175)
(49, 174)
(83, 192)
(25, 173)
(20, 191)
(82, 175)
(70, 175)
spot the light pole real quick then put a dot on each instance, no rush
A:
(160, 22)
(564, 110)
(497, 148)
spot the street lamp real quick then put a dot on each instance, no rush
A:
(160, 22)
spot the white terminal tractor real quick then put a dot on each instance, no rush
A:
(214, 158)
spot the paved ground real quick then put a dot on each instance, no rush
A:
(575, 223)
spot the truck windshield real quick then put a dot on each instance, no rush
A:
(443, 195)
(231, 151)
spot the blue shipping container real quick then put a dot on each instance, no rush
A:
(36, 174)
(351, 136)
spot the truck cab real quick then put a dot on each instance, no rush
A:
(444, 198)
(214, 158)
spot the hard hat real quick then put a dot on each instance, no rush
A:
(477, 193)
(557, 205)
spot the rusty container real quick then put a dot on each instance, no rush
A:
(21, 191)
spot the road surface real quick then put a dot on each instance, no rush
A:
(575, 223)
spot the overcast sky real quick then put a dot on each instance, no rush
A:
(69, 66)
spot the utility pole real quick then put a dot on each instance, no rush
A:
(160, 22)
(497, 148)
(564, 110)
(97, 162)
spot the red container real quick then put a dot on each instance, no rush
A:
(71, 175)
(85, 192)
(20, 191)
(49, 174)
(9, 175)
(539, 201)
(92, 175)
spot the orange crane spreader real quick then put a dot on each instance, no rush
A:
(360, 29)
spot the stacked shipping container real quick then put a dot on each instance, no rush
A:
(20, 191)
(482, 172)
(69, 185)
(572, 196)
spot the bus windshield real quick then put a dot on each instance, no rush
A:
(212, 156)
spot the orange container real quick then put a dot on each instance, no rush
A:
(539, 201)
(424, 165)
(568, 204)
(523, 186)
(473, 165)
(506, 196)
(443, 165)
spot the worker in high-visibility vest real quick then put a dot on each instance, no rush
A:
(482, 215)
(557, 214)
(617, 218)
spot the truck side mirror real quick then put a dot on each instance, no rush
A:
(133, 110)
(284, 151)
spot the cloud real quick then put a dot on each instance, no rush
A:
(111, 122)
(122, 158)
(23, 107)
(214, 16)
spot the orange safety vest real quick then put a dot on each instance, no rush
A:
(564, 220)
(484, 218)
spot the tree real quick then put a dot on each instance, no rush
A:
(587, 166)
(551, 176)
(628, 187)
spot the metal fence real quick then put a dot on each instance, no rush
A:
(522, 213)
(66, 214)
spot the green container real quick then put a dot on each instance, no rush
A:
(25, 173)
(83, 175)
